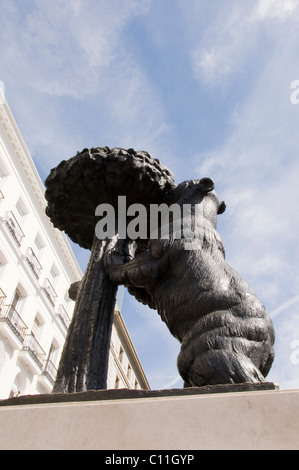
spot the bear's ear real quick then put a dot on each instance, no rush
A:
(222, 207)
(206, 185)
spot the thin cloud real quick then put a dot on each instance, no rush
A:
(234, 36)
(76, 51)
(286, 305)
(67, 44)
(177, 380)
(274, 9)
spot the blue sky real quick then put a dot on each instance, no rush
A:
(203, 86)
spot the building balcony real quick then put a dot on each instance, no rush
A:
(63, 316)
(14, 393)
(33, 262)
(2, 297)
(46, 378)
(12, 327)
(50, 371)
(14, 227)
(32, 353)
(49, 291)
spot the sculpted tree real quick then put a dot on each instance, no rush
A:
(74, 189)
(225, 332)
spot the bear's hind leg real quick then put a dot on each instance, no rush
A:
(215, 366)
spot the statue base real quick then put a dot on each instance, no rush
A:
(243, 416)
(124, 393)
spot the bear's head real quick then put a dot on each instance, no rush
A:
(198, 192)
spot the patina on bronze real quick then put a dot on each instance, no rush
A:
(226, 335)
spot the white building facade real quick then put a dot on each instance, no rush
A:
(125, 370)
(37, 266)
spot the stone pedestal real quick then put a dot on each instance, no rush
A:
(258, 419)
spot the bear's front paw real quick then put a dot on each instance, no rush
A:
(112, 259)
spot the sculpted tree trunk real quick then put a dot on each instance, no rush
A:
(84, 361)
(74, 190)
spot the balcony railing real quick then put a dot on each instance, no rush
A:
(9, 315)
(50, 371)
(14, 227)
(62, 314)
(2, 297)
(33, 262)
(14, 393)
(49, 291)
(34, 348)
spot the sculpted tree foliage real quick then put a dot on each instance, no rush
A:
(74, 189)
(225, 333)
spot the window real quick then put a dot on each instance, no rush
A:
(67, 302)
(2, 298)
(14, 227)
(2, 175)
(33, 262)
(17, 299)
(121, 354)
(54, 273)
(3, 172)
(38, 245)
(116, 382)
(3, 260)
(50, 369)
(12, 313)
(21, 210)
(36, 328)
(52, 353)
(64, 317)
(49, 291)
(3, 263)
(49, 284)
(33, 255)
(15, 221)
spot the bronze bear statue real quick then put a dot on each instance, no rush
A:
(225, 332)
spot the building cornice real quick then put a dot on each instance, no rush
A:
(124, 334)
(25, 160)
